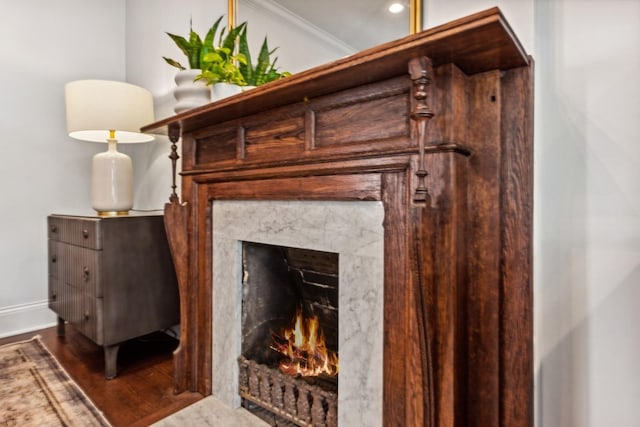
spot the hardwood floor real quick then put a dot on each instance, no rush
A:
(140, 395)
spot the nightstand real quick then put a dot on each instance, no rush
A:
(112, 278)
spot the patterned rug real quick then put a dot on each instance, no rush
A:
(36, 391)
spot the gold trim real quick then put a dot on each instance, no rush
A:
(415, 16)
(232, 8)
(113, 213)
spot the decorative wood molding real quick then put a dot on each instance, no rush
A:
(420, 71)
(174, 136)
(457, 328)
(176, 221)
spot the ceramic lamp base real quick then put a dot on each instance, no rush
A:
(112, 182)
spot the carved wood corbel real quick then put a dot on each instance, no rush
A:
(420, 71)
(174, 136)
(176, 223)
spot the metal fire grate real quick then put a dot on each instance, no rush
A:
(287, 397)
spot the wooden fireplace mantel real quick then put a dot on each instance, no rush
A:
(438, 127)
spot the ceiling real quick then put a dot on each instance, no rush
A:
(358, 23)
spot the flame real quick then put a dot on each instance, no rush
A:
(305, 348)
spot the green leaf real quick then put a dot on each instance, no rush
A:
(246, 68)
(212, 57)
(241, 59)
(229, 41)
(207, 44)
(263, 63)
(173, 63)
(181, 42)
(195, 46)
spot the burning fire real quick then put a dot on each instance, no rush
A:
(304, 346)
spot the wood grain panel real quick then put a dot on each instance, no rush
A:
(372, 120)
(517, 265)
(484, 250)
(176, 223)
(217, 146)
(280, 137)
(394, 198)
(332, 187)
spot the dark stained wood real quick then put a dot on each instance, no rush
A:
(360, 187)
(463, 42)
(444, 279)
(396, 366)
(457, 327)
(176, 221)
(202, 273)
(140, 395)
(516, 339)
(484, 247)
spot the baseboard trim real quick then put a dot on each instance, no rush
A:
(23, 318)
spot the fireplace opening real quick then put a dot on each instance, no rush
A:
(289, 361)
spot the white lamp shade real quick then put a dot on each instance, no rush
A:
(96, 106)
(94, 109)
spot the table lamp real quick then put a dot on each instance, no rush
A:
(111, 112)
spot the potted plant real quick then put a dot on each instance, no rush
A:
(264, 71)
(192, 89)
(194, 48)
(220, 67)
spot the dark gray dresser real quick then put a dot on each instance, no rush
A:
(112, 278)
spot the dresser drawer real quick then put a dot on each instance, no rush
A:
(76, 266)
(91, 319)
(66, 301)
(79, 231)
(62, 300)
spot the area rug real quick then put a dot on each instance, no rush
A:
(36, 391)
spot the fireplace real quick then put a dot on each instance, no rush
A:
(430, 137)
(345, 242)
(289, 359)
(285, 289)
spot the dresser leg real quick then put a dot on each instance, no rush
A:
(60, 329)
(111, 360)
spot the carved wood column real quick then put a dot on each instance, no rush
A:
(176, 221)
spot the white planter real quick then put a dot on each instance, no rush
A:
(224, 90)
(190, 94)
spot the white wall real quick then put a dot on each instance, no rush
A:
(44, 45)
(588, 212)
(587, 200)
(587, 203)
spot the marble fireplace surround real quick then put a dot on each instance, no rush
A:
(353, 230)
